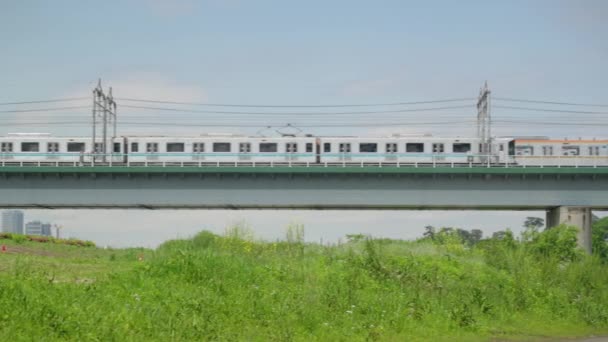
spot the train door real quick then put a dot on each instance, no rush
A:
(117, 155)
(6, 150)
(345, 151)
(291, 148)
(391, 151)
(52, 149)
(125, 150)
(438, 151)
(152, 151)
(198, 148)
(244, 151)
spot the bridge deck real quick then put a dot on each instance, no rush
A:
(318, 187)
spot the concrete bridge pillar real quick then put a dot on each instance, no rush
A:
(579, 217)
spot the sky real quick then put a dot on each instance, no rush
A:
(304, 52)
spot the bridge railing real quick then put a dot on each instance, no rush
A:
(452, 160)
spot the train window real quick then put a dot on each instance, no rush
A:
(151, 147)
(414, 147)
(268, 147)
(524, 150)
(198, 147)
(291, 147)
(438, 148)
(391, 148)
(368, 147)
(308, 147)
(98, 147)
(175, 147)
(244, 147)
(30, 147)
(462, 148)
(52, 147)
(594, 150)
(501, 147)
(344, 147)
(134, 147)
(571, 150)
(547, 150)
(221, 147)
(327, 147)
(75, 147)
(116, 148)
(7, 147)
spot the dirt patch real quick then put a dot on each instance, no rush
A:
(12, 249)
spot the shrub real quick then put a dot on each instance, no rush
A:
(559, 242)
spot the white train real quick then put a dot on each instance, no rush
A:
(243, 150)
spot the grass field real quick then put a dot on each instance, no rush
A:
(234, 288)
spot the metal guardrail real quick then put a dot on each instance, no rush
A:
(451, 160)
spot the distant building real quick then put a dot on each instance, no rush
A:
(46, 229)
(38, 228)
(12, 221)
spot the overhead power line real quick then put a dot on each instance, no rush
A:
(509, 99)
(294, 113)
(69, 99)
(42, 109)
(294, 106)
(143, 124)
(550, 110)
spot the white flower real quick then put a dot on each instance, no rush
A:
(349, 312)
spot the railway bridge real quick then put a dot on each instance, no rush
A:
(568, 194)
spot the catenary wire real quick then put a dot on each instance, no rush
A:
(69, 99)
(42, 109)
(509, 123)
(293, 106)
(550, 110)
(509, 99)
(293, 113)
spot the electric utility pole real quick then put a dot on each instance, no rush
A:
(484, 122)
(104, 114)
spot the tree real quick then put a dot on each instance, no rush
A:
(559, 242)
(599, 241)
(499, 235)
(429, 232)
(355, 237)
(464, 235)
(532, 225)
(534, 222)
(446, 230)
(476, 235)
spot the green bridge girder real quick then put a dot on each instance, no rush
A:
(351, 169)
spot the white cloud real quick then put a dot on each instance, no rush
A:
(155, 86)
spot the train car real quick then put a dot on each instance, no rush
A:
(410, 150)
(220, 149)
(42, 147)
(542, 151)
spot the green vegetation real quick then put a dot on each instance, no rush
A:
(231, 287)
(19, 238)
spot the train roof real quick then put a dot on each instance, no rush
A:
(563, 141)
